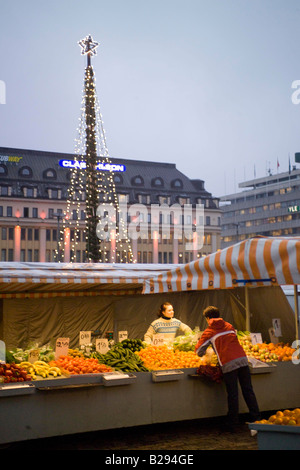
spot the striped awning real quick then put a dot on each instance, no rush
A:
(37, 280)
(257, 261)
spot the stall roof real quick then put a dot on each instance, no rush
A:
(258, 261)
(19, 279)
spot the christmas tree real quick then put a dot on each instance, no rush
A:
(92, 186)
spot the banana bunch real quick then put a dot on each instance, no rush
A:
(40, 368)
(123, 359)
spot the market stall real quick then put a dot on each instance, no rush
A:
(252, 263)
(43, 302)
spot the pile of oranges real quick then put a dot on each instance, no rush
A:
(163, 357)
(80, 365)
(285, 417)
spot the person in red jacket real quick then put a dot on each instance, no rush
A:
(233, 362)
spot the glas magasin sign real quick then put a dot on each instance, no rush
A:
(100, 166)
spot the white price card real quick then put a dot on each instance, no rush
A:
(102, 345)
(158, 339)
(122, 335)
(256, 338)
(62, 347)
(273, 338)
(277, 327)
(85, 337)
(33, 355)
(2, 352)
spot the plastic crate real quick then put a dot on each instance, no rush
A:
(277, 437)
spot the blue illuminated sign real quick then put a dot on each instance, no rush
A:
(102, 166)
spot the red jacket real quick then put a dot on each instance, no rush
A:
(222, 337)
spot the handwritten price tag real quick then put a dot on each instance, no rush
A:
(102, 345)
(123, 335)
(62, 347)
(256, 338)
(158, 339)
(33, 355)
(85, 337)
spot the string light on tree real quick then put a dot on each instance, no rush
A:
(92, 185)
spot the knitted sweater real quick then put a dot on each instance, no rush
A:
(169, 328)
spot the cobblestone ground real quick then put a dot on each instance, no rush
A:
(187, 435)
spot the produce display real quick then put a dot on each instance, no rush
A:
(285, 417)
(13, 373)
(40, 368)
(124, 357)
(164, 357)
(186, 342)
(17, 355)
(79, 365)
(265, 352)
(131, 355)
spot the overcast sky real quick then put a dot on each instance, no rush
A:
(204, 84)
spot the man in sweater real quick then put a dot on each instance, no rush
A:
(233, 362)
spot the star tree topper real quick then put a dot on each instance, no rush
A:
(88, 46)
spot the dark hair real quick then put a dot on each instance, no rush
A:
(211, 312)
(162, 308)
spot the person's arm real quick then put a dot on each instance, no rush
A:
(149, 334)
(185, 328)
(203, 343)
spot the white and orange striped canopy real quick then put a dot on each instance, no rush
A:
(257, 261)
(38, 280)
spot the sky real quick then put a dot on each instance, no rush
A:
(204, 84)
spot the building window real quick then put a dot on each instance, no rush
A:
(118, 179)
(3, 169)
(9, 211)
(4, 190)
(25, 172)
(177, 183)
(26, 212)
(49, 174)
(157, 182)
(34, 212)
(137, 181)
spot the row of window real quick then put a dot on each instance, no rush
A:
(51, 174)
(267, 220)
(265, 207)
(33, 234)
(31, 192)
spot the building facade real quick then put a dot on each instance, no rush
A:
(268, 206)
(33, 198)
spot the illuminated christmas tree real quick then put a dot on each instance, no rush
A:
(92, 186)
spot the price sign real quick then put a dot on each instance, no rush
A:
(123, 335)
(158, 339)
(33, 355)
(2, 352)
(85, 337)
(277, 327)
(102, 345)
(256, 338)
(62, 347)
(273, 338)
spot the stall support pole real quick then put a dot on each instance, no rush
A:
(296, 311)
(247, 308)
